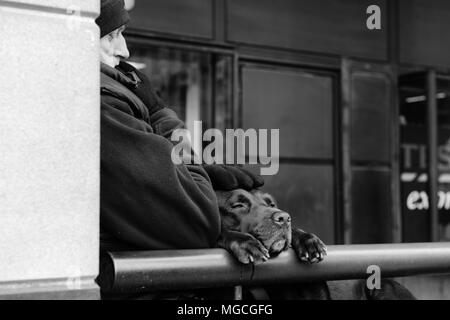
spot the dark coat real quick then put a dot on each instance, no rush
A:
(147, 202)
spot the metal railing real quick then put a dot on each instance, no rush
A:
(209, 268)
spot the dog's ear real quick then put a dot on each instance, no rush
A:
(229, 219)
(222, 197)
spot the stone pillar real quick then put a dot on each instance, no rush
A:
(49, 149)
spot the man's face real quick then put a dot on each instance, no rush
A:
(113, 48)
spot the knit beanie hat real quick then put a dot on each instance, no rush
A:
(112, 16)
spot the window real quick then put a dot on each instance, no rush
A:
(414, 164)
(301, 104)
(196, 84)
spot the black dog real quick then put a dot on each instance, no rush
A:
(254, 229)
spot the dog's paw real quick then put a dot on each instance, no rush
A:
(308, 247)
(247, 249)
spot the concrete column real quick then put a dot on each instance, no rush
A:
(49, 149)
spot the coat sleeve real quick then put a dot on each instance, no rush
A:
(146, 200)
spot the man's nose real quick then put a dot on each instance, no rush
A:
(281, 217)
(122, 49)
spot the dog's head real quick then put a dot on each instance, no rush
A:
(256, 213)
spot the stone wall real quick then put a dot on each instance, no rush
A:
(50, 143)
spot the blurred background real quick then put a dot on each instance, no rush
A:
(364, 115)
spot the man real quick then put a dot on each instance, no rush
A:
(148, 202)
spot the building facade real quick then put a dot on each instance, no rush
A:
(350, 101)
(363, 114)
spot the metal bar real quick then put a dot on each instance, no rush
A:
(432, 154)
(346, 98)
(393, 31)
(396, 213)
(237, 98)
(209, 268)
(238, 293)
(338, 162)
(219, 12)
(147, 38)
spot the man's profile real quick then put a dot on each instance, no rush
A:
(148, 202)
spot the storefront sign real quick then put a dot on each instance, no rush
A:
(414, 182)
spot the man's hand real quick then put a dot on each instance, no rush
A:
(227, 177)
(143, 89)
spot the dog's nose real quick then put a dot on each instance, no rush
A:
(281, 217)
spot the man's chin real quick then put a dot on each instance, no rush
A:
(115, 63)
(111, 62)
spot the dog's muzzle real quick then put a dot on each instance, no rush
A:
(281, 218)
(277, 246)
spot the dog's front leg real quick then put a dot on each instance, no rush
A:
(308, 246)
(243, 246)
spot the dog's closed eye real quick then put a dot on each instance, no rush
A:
(238, 205)
(240, 202)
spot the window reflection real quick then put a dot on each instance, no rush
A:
(196, 85)
(414, 162)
